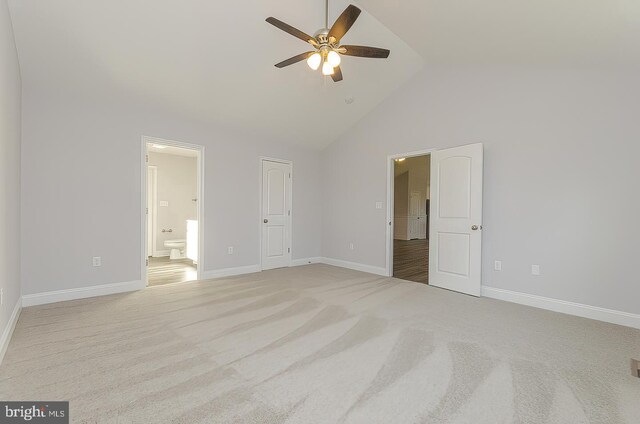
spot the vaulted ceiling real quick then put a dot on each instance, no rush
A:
(593, 33)
(209, 60)
(213, 61)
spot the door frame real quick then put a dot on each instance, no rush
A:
(200, 172)
(390, 202)
(290, 237)
(154, 212)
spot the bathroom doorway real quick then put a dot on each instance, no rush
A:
(172, 212)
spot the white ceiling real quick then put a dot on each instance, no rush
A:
(210, 61)
(594, 33)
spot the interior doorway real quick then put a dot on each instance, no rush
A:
(453, 250)
(411, 218)
(172, 212)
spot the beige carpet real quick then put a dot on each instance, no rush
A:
(319, 344)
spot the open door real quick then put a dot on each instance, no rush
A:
(455, 239)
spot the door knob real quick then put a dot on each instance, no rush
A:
(474, 227)
(265, 221)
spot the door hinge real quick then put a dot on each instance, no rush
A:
(146, 158)
(147, 261)
(147, 211)
(289, 175)
(288, 250)
(289, 213)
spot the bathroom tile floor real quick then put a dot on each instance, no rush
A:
(165, 271)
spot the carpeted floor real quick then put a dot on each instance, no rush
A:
(319, 344)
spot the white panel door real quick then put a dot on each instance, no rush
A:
(417, 217)
(414, 215)
(455, 240)
(276, 214)
(422, 227)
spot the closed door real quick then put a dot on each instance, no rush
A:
(414, 215)
(417, 217)
(455, 240)
(276, 214)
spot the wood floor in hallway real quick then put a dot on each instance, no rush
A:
(411, 260)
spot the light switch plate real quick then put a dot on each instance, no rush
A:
(230, 250)
(378, 205)
(164, 203)
(535, 269)
(97, 261)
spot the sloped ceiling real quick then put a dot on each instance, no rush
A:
(211, 61)
(593, 33)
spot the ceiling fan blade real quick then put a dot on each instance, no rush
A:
(364, 51)
(344, 22)
(291, 30)
(294, 59)
(337, 74)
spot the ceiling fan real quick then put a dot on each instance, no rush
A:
(326, 42)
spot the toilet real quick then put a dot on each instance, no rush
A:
(177, 248)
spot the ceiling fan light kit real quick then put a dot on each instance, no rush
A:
(314, 61)
(326, 42)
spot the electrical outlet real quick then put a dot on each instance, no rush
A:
(230, 250)
(351, 246)
(97, 261)
(535, 269)
(497, 265)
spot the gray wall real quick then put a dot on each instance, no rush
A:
(10, 127)
(419, 169)
(561, 175)
(81, 188)
(401, 194)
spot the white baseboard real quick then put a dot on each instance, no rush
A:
(586, 311)
(306, 261)
(228, 272)
(7, 332)
(355, 266)
(249, 269)
(81, 293)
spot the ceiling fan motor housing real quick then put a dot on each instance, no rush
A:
(322, 35)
